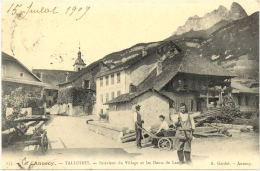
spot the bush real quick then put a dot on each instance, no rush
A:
(18, 99)
(76, 96)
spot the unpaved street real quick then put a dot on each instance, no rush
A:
(71, 140)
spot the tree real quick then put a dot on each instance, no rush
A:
(18, 99)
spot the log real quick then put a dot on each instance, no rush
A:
(133, 138)
(35, 127)
(205, 130)
(128, 135)
(31, 118)
(208, 135)
(8, 131)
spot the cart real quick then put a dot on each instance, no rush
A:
(26, 132)
(164, 143)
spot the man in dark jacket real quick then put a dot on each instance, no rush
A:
(138, 126)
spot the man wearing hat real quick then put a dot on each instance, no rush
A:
(138, 125)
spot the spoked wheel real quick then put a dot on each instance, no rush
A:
(164, 144)
(44, 142)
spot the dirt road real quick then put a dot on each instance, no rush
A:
(71, 140)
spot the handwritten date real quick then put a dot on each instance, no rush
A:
(23, 10)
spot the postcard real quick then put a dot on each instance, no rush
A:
(125, 84)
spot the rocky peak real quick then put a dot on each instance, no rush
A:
(237, 11)
(221, 13)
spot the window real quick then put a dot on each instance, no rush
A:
(118, 93)
(246, 100)
(101, 81)
(112, 95)
(107, 97)
(101, 98)
(191, 105)
(118, 77)
(239, 100)
(21, 74)
(107, 81)
(3, 69)
(112, 79)
(86, 84)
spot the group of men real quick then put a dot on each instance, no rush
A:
(184, 129)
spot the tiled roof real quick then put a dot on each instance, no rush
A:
(240, 88)
(185, 62)
(124, 98)
(76, 75)
(53, 77)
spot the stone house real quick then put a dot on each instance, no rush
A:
(153, 104)
(124, 77)
(82, 80)
(182, 77)
(245, 97)
(15, 75)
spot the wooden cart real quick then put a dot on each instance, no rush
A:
(26, 132)
(164, 143)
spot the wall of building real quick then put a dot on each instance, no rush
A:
(189, 98)
(152, 105)
(246, 102)
(103, 91)
(11, 69)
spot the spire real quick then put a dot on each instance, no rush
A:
(79, 63)
(79, 52)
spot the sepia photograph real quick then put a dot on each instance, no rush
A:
(126, 84)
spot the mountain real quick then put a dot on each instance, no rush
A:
(203, 34)
(232, 43)
(236, 46)
(196, 23)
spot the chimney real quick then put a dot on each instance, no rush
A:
(67, 76)
(132, 88)
(144, 52)
(159, 67)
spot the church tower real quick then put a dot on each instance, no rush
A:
(79, 63)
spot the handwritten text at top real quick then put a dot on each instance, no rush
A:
(23, 10)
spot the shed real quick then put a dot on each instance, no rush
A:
(152, 102)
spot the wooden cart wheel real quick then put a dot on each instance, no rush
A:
(164, 144)
(44, 142)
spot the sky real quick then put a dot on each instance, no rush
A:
(51, 40)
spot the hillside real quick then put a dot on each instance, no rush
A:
(236, 46)
(232, 42)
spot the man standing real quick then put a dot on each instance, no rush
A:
(138, 125)
(185, 127)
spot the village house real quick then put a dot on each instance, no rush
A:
(77, 94)
(53, 78)
(245, 97)
(15, 75)
(124, 77)
(182, 77)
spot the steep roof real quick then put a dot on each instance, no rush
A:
(124, 98)
(76, 75)
(79, 61)
(53, 77)
(185, 62)
(237, 87)
(6, 57)
(134, 56)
